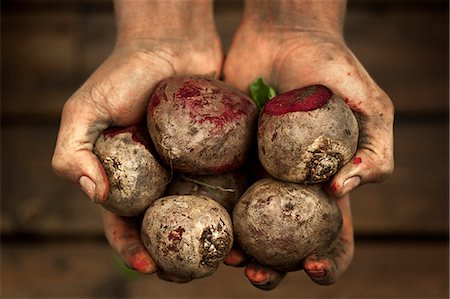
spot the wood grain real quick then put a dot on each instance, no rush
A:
(89, 270)
(48, 53)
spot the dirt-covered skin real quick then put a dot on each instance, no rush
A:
(225, 188)
(135, 176)
(280, 223)
(201, 125)
(306, 135)
(188, 236)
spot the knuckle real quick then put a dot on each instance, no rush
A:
(58, 164)
(390, 107)
(380, 103)
(381, 170)
(385, 105)
(70, 106)
(64, 167)
(387, 168)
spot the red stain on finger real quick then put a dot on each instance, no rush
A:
(357, 160)
(334, 188)
(140, 263)
(256, 274)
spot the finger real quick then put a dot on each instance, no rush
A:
(236, 258)
(327, 268)
(123, 235)
(262, 277)
(73, 158)
(365, 167)
(374, 159)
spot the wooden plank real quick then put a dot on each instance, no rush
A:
(89, 270)
(406, 51)
(39, 61)
(48, 53)
(420, 180)
(54, 270)
(33, 199)
(414, 200)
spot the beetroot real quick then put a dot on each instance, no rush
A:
(135, 176)
(306, 135)
(201, 125)
(188, 236)
(225, 188)
(280, 223)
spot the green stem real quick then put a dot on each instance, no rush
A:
(261, 92)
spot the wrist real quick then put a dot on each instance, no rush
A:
(286, 16)
(164, 20)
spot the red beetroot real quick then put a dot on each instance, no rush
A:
(280, 223)
(188, 236)
(136, 178)
(201, 125)
(225, 188)
(306, 135)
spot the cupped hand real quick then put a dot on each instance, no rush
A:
(117, 94)
(293, 59)
(297, 59)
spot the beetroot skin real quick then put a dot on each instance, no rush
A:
(201, 125)
(135, 176)
(279, 223)
(188, 236)
(306, 135)
(225, 188)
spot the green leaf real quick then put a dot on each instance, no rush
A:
(261, 92)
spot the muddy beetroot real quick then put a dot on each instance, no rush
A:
(280, 223)
(135, 176)
(201, 125)
(306, 135)
(225, 188)
(188, 236)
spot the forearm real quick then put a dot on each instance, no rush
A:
(304, 15)
(159, 19)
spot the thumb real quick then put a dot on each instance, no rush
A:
(374, 159)
(73, 158)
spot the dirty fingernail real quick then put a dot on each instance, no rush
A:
(350, 184)
(317, 273)
(88, 186)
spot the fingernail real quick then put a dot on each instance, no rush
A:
(350, 184)
(88, 186)
(270, 282)
(317, 273)
(141, 263)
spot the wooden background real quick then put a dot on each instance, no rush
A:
(52, 243)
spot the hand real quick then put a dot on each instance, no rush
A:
(117, 94)
(296, 44)
(293, 60)
(123, 234)
(151, 45)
